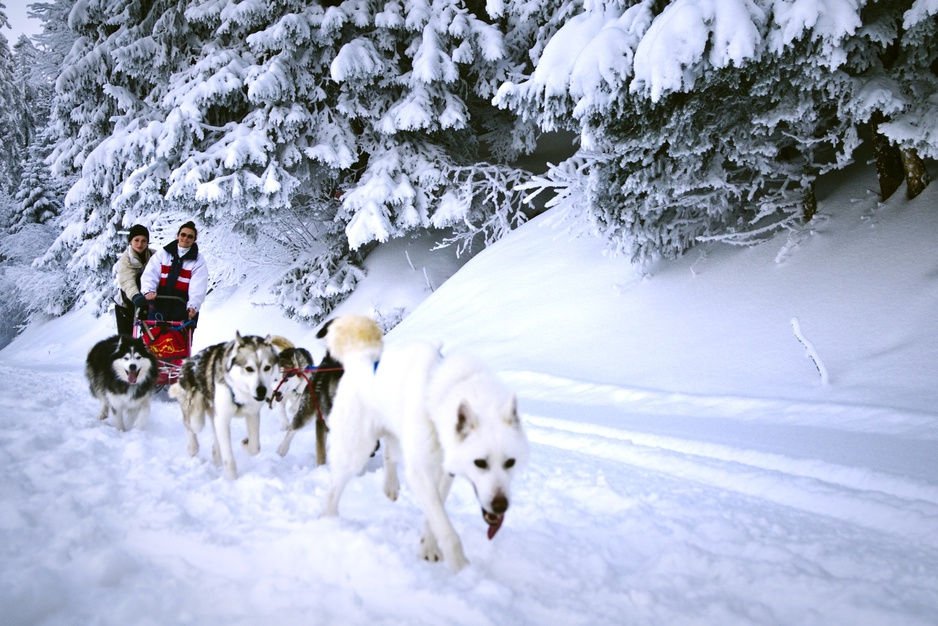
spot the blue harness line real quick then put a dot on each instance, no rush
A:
(158, 317)
(315, 368)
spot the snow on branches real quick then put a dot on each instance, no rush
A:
(697, 119)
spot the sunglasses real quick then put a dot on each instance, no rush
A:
(186, 236)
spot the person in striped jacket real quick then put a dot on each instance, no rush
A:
(177, 269)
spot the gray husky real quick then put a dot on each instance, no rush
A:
(225, 381)
(121, 373)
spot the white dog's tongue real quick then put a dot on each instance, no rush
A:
(493, 527)
(132, 376)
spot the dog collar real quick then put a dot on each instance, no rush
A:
(235, 400)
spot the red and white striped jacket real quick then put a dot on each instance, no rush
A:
(192, 283)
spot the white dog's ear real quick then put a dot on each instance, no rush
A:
(511, 412)
(238, 338)
(465, 421)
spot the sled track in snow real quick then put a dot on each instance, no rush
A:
(857, 418)
(882, 502)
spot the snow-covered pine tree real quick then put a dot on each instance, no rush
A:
(26, 63)
(100, 94)
(13, 135)
(244, 111)
(31, 292)
(915, 130)
(26, 289)
(417, 82)
(685, 131)
(398, 95)
(39, 196)
(313, 148)
(893, 87)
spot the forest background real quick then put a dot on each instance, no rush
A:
(299, 135)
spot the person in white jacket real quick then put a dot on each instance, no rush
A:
(177, 269)
(129, 268)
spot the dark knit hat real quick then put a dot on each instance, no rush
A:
(190, 225)
(138, 229)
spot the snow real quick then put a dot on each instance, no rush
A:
(687, 465)
(357, 59)
(921, 10)
(562, 51)
(668, 52)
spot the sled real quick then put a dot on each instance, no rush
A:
(170, 341)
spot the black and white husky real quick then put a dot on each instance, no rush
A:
(306, 394)
(226, 381)
(122, 373)
(440, 416)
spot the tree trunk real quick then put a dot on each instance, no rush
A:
(916, 176)
(888, 160)
(809, 203)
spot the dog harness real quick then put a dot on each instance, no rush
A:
(303, 372)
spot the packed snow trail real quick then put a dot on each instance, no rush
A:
(855, 495)
(608, 526)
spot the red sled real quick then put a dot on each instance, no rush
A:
(170, 342)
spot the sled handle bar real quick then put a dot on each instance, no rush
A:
(158, 297)
(166, 299)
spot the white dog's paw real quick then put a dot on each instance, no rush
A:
(285, 444)
(451, 552)
(392, 486)
(429, 549)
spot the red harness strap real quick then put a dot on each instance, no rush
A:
(301, 372)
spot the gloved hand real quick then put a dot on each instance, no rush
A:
(139, 301)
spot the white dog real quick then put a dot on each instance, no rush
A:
(441, 416)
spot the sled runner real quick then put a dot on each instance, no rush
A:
(170, 340)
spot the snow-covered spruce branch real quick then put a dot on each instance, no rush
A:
(567, 183)
(818, 363)
(492, 203)
(782, 216)
(299, 233)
